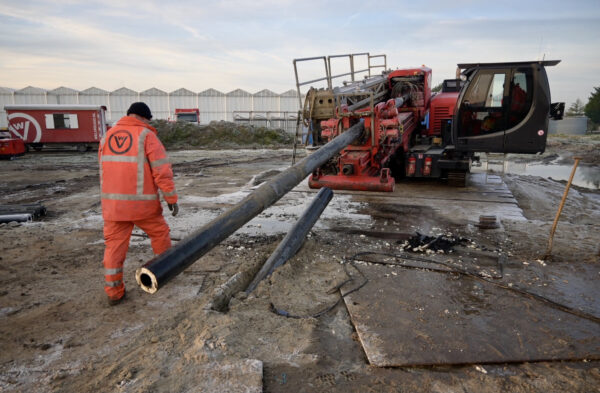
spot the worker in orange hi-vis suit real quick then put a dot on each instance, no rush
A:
(133, 166)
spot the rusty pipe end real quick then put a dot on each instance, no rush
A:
(146, 280)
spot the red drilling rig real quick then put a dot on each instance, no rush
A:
(410, 132)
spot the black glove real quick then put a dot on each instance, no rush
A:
(174, 208)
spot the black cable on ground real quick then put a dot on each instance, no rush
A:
(284, 313)
(449, 268)
(453, 268)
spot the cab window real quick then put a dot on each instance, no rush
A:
(521, 96)
(481, 109)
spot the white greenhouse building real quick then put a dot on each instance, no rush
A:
(264, 108)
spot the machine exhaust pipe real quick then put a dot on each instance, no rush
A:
(162, 268)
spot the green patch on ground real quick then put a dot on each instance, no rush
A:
(220, 135)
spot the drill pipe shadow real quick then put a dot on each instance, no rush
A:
(294, 239)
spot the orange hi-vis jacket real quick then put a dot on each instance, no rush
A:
(133, 166)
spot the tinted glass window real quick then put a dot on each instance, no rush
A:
(191, 117)
(496, 92)
(61, 121)
(481, 111)
(521, 94)
(477, 94)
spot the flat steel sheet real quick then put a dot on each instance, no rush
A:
(456, 204)
(413, 317)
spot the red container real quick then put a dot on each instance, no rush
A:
(47, 124)
(11, 147)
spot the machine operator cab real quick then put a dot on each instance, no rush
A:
(504, 108)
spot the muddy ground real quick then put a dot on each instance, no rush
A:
(57, 333)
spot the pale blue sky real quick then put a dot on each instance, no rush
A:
(250, 45)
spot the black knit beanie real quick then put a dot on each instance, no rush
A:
(140, 109)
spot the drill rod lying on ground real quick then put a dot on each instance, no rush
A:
(294, 239)
(159, 270)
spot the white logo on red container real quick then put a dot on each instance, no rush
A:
(20, 125)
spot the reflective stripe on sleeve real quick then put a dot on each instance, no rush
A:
(113, 283)
(109, 272)
(160, 162)
(129, 197)
(170, 194)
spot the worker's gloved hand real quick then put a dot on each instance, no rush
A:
(174, 208)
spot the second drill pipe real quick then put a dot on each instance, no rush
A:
(167, 265)
(292, 242)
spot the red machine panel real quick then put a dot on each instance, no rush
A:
(442, 107)
(420, 79)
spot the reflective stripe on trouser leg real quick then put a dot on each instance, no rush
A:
(157, 229)
(116, 239)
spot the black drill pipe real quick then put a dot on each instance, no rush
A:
(162, 268)
(294, 239)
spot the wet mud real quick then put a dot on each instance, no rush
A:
(59, 335)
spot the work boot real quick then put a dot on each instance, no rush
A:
(114, 302)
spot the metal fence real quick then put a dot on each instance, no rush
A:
(576, 125)
(278, 110)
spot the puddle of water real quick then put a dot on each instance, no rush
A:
(281, 217)
(276, 219)
(587, 176)
(230, 198)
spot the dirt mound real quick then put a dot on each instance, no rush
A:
(219, 135)
(587, 147)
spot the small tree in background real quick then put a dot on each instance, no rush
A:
(437, 88)
(592, 108)
(576, 109)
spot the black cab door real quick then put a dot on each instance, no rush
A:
(503, 108)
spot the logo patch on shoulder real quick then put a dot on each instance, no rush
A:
(120, 142)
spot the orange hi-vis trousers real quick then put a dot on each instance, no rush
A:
(116, 240)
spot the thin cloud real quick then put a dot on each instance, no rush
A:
(237, 44)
